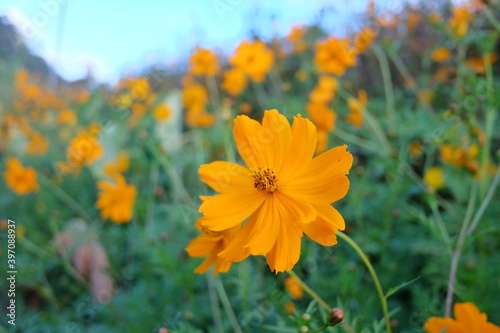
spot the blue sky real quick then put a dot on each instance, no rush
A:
(114, 37)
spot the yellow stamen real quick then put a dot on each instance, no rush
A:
(264, 179)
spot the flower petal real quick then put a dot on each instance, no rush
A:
(226, 210)
(266, 228)
(201, 246)
(235, 250)
(286, 251)
(301, 150)
(225, 176)
(438, 325)
(469, 316)
(279, 143)
(323, 229)
(324, 179)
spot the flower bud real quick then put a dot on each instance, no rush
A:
(336, 316)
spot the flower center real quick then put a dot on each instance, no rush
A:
(264, 179)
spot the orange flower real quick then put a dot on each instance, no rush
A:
(364, 39)
(334, 56)
(282, 191)
(254, 59)
(296, 38)
(234, 81)
(209, 244)
(203, 62)
(20, 179)
(477, 63)
(119, 166)
(357, 106)
(194, 96)
(116, 201)
(413, 20)
(199, 118)
(322, 117)
(162, 112)
(459, 22)
(468, 320)
(37, 144)
(84, 149)
(324, 90)
(293, 287)
(441, 54)
(67, 116)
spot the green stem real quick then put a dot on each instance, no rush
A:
(457, 253)
(491, 18)
(348, 137)
(227, 305)
(64, 197)
(383, 300)
(214, 304)
(386, 77)
(440, 224)
(489, 123)
(310, 291)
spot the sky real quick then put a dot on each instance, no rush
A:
(116, 37)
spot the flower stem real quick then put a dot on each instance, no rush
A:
(227, 306)
(383, 300)
(310, 291)
(214, 304)
(386, 77)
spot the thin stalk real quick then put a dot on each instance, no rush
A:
(400, 65)
(64, 197)
(261, 96)
(489, 123)
(440, 225)
(227, 306)
(489, 15)
(214, 96)
(485, 203)
(214, 304)
(388, 88)
(344, 136)
(383, 300)
(311, 292)
(458, 251)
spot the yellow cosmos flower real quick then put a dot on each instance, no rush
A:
(116, 201)
(203, 62)
(357, 105)
(293, 287)
(234, 81)
(334, 56)
(84, 149)
(468, 320)
(434, 178)
(162, 112)
(254, 59)
(119, 166)
(37, 144)
(441, 54)
(67, 116)
(209, 244)
(283, 191)
(296, 38)
(460, 20)
(413, 20)
(364, 39)
(20, 179)
(194, 96)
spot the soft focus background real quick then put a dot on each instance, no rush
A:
(108, 109)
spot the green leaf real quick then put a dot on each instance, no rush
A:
(392, 291)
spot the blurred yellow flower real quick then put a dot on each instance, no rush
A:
(84, 149)
(357, 106)
(194, 96)
(37, 144)
(116, 200)
(324, 91)
(296, 38)
(434, 178)
(364, 39)
(282, 191)
(162, 112)
(209, 244)
(234, 81)
(20, 179)
(477, 63)
(334, 56)
(118, 166)
(468, 319)
(203, 62)
(441, 54)
(293, 287)
(67, 116)
(460, 20)
(413, 20)
(254, 59)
